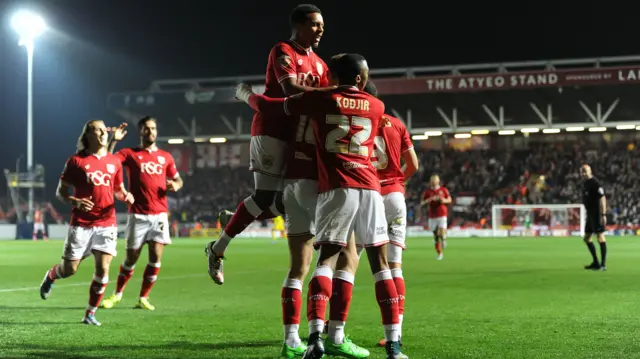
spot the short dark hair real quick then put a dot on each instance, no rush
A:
(371, 89)
(300, 12)
(345, 67)
(144, 120)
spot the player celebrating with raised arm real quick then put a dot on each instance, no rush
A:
(292, 68)
(437, 198)
(392, 146)
(96, 176)
(595, 203)
(345, 122)
(151, 173)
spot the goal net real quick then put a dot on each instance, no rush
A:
(557, 220)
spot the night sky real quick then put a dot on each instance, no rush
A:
(98, 46)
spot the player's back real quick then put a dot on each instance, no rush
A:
(345, 125)
(391, 142)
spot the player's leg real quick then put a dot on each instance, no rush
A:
(76, 247)
(371, 231)
(157, 239)
(588, 231)
(300, 201)
(135, 233)
(396, 213)
(433, 227)
(267, 161)
(337, 343)
(602, 241)
(35, 232)
(335, 213)
(103, 247)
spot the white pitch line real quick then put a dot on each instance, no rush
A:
(10, 290)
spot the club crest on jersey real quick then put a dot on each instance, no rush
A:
(299, 62)
(320, 69)
(86, 167)
(161, 160)
(111, 168)
(284, 61)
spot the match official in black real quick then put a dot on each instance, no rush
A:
(596, 204)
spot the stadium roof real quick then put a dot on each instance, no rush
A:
(531, 95)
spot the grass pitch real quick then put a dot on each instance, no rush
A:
(489, 298)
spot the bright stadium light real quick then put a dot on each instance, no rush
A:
(462, 135)
(574, 129)
(625, 127)
(419, 137)
(530, 130)
(597, 129)
(29, 26)
(175, 141)
(551, 130)
(479, 132)
(217, 140)
(506, 132)
(433, 133)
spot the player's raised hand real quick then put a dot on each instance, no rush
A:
(83, 204)
(243, 91)
(119, 132)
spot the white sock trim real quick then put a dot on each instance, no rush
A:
(101, 280)
(345, 276)
(292, 283)
(383, 275)
(323, 271)
(155, 265)
(396, 273)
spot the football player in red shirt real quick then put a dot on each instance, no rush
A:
(292, 68)
(345, 123)
(38, 225)
(96, 176)
(437, 198)
(151, 173)
(393, 146)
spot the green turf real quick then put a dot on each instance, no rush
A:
(489, 298)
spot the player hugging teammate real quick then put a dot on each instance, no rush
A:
(349, 209)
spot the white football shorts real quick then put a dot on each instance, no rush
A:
(81, 241)
(267, 161)
(342, 212)
(435, 223)
(300, 198)
(395, 209)
(143, 228)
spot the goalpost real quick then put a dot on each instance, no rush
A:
(557, 220)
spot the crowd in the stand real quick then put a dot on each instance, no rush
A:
(541, 174)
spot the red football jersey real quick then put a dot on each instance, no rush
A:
(147, 172)
(392, 141)
(345, 122)
(37, 216)
(436, 210)
(302, 163)
(96, 177)
(287, 60)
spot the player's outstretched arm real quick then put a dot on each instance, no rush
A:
(175, 184)
(261, 103)
(118, 134)
(411, 163)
